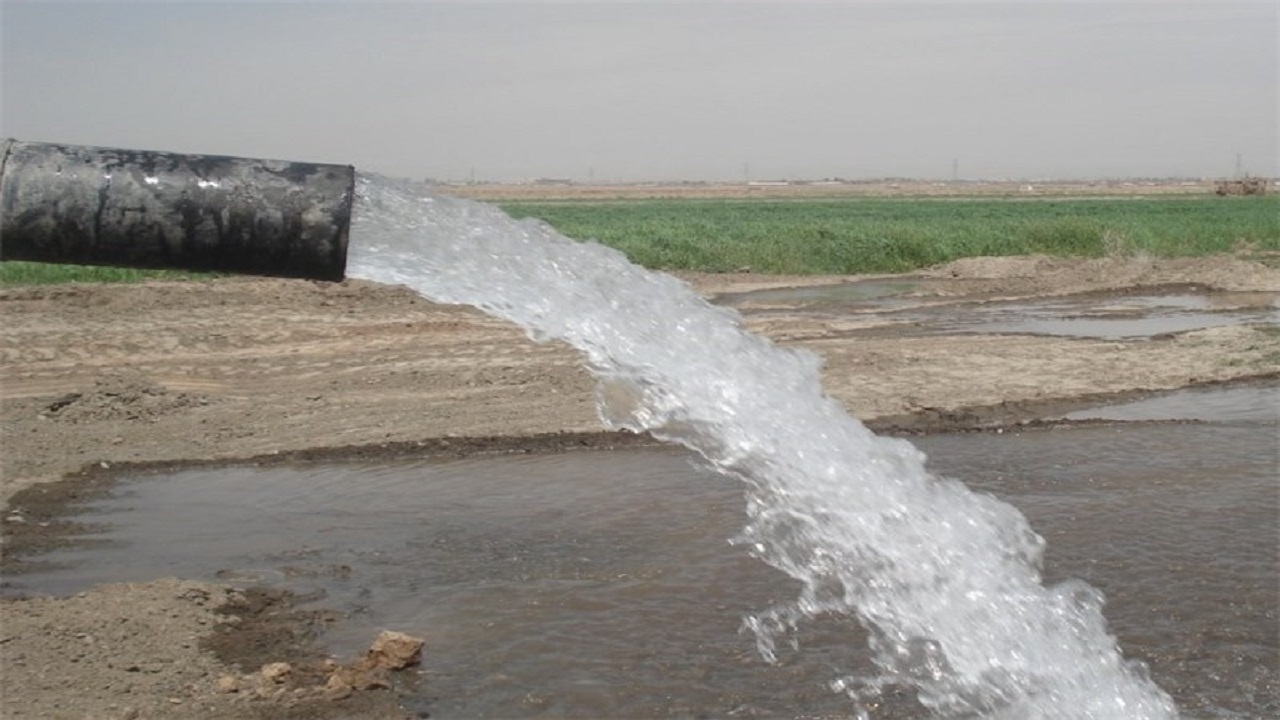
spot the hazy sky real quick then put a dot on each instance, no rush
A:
(660, 90)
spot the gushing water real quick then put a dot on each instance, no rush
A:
(946, 581)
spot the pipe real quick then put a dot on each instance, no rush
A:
(142, 209)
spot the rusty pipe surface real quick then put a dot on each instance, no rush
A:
(143, 209)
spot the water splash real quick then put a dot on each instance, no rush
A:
(947, 581)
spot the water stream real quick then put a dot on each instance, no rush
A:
(946, 581)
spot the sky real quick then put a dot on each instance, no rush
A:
(611, 91)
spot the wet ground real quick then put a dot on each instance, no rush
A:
(603, 583)
(925, 306)
(589, 582)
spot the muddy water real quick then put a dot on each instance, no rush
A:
(914, 306)
(1239, 404)
(603, 584)
(1127, 317)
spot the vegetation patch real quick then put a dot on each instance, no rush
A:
(858, 235)
(866, 235)
(30, 273)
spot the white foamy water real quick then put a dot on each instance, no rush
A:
(946, 580)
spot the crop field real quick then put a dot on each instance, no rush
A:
(861, 234)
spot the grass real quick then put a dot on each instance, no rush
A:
(859, 235)
(897, 235)
(30, 273)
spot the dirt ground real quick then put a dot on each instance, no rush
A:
(554, 190)
(99, 379)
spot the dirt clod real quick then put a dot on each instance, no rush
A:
(393, 650)
(337, 687)
(276, 672)
(228, 684)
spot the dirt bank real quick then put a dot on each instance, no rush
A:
(96, 376)
(820, 190)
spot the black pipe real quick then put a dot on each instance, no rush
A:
(140, 209)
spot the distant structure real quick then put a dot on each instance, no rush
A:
(1244, 186)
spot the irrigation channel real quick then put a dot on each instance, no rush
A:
(624, 584)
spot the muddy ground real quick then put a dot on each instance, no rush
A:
(99, 379)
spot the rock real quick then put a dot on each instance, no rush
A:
(364, 678)
(228, 684)
(276, 672)
(393, 650)
(337, 688)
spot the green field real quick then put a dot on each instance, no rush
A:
(29, 273)
(862, 235)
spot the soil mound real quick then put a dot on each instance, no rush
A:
(120, 397)
(1045, 274)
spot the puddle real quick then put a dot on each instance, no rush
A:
(602, 584)
(1247, 403)
(1114, 318)
(915, 307)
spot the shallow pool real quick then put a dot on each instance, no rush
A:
(604, 583)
